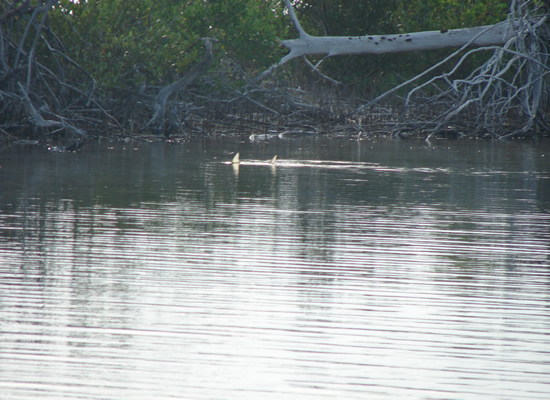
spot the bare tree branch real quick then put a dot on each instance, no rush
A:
(161, 98)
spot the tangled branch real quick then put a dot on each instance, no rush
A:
(506, 96)
(41, 84)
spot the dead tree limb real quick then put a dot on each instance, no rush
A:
(331, 46)
(159, 105)
(40, 122)
(42, 84)
(507, 95)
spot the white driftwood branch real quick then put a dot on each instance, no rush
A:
(488, 35)
(301, 32)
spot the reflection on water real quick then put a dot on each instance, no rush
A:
(349, 271)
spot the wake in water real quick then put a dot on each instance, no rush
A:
(274, 162)
(348, 165)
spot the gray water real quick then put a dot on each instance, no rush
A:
(370, 270)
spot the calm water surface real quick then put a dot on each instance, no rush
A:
(371, 270)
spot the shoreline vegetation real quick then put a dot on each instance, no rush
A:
(60, 88)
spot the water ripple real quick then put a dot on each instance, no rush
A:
(377, 281)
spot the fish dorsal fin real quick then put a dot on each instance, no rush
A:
(236, 159)
(273, 160)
